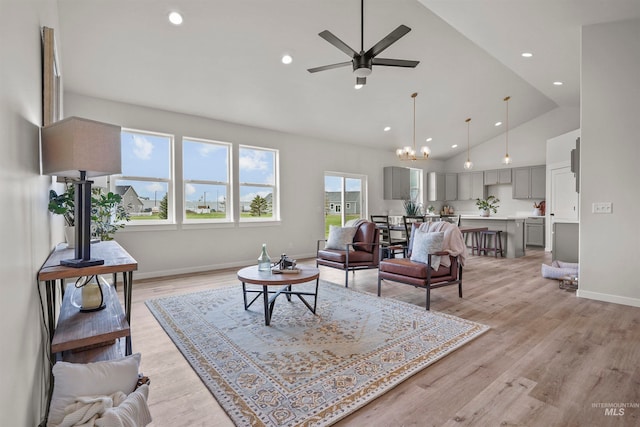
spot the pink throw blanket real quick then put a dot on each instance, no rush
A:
(453, 241)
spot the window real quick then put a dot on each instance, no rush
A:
(146, 183)
(206, 175)
(258, 175)
(344, 190)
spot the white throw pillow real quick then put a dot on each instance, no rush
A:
(427, 243)
(339, 237)
(104, 378)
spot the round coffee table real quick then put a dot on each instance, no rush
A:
(251, 275)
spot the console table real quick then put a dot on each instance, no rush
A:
(97, 332)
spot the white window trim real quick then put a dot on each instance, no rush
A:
(170, 181)
(229, 184)
(275, 201)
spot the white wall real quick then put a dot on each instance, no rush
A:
(24, 220)
(610, 159)
(527, 147)
(303, 162)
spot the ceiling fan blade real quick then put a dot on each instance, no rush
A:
(387, 41)
(328, 36)
(329, 67)
(395, 62)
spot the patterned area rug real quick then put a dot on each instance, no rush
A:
(305, 369)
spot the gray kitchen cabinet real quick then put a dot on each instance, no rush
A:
(397, 183)
(529, 182)
(565, 242)
(435, 186)
(470, 185)
(451, 186)
(534, 231)
(477, 185)
(497, 176)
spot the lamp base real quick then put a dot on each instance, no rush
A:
(89, 310)
(81, 263)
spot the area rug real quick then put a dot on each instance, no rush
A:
(305, 369)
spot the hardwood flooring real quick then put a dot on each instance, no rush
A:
(550, 358)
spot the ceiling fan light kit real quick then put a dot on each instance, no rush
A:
(363, 62)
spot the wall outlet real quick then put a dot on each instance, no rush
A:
(601, 207)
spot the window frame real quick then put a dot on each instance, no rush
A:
(229, 184)
(275, 187)
(171, 217)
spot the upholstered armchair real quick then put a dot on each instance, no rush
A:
(350, 248)
(436, 255)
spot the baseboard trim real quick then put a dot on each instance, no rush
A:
(616, 299)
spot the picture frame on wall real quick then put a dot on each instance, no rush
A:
(51, 79)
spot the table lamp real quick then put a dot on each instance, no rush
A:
(79, 148)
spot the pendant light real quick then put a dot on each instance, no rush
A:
(409, 153)
(468, 165)
(507, 160)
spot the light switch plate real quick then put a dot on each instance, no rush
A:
(601, 207)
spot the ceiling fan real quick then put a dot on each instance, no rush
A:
(362, 61)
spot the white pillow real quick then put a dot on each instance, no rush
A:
(339, 237)
(104, 378)
(427, 243)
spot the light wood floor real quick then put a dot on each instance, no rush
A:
(548, 359)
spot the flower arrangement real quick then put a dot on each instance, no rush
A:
(487, 205)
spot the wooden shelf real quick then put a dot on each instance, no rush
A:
(76, 330)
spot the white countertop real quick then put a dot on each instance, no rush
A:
(493, 217)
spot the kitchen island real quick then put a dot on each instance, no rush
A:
(512, 231)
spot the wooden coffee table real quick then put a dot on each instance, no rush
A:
(251, 275)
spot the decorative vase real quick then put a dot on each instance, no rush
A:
(70, 236)
(264, 262)
(485, 212)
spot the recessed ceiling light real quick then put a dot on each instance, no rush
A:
(175, 18)
(527, 54)
(287, 59)
(387, 128)
(454, 146)
(429, 139)
(498, 124)
(558, 83)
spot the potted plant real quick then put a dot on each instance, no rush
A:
(107, 212)
(487, 205)
(412, 208)
(64, 204)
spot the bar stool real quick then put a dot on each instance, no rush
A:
(491, 236)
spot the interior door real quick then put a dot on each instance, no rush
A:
(563, 204)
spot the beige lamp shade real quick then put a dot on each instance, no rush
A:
(76, 144)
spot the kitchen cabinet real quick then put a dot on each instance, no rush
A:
(534, 231)
(565, 241)
(497, 176)
(451, 186)
(442, 186)
(397, 183)
(529, 182)
(435, 186)
(471, 185)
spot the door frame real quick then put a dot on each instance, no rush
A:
(547, 220)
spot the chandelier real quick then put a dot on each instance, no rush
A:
(410, 153)
(506, 159)
(468, 165)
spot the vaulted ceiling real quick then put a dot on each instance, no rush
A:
(224, 62)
